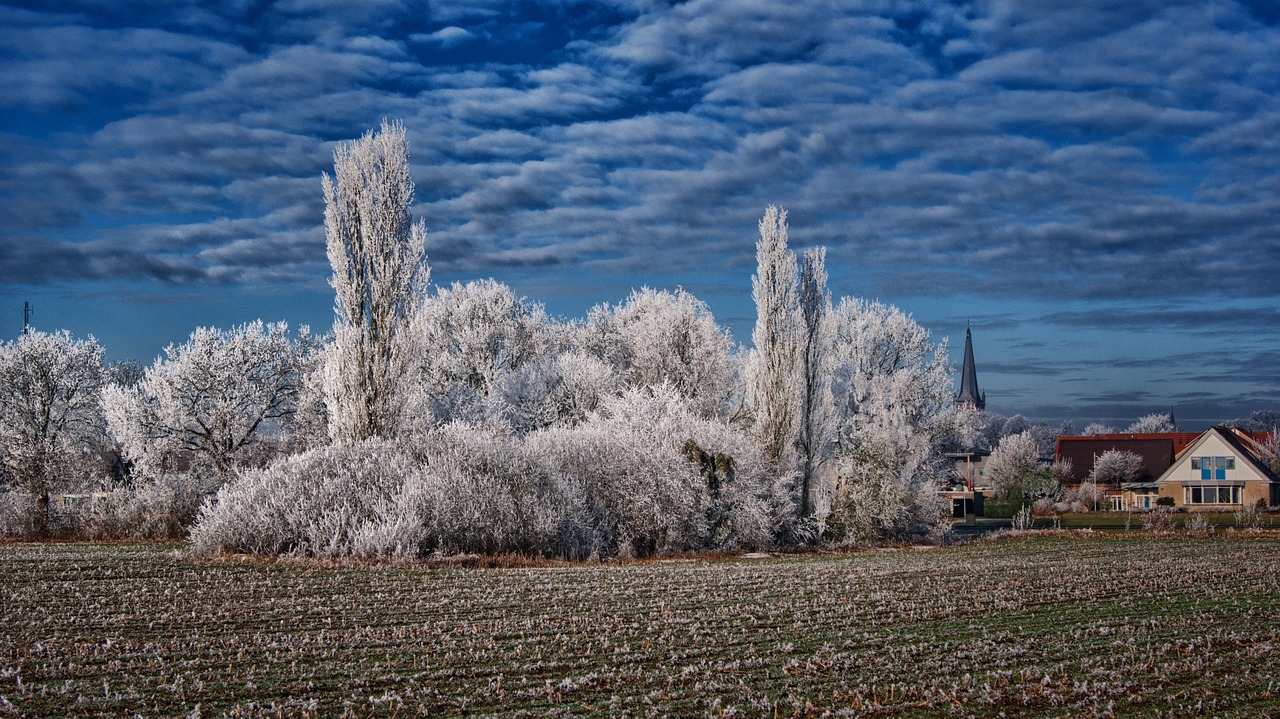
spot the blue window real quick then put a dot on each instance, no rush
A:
(1206, 468)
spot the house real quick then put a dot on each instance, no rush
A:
(1157, 450)
(1223, 469)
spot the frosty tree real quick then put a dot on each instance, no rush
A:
(1153, 424)
(49, 409)
(1012, 462)
(208, 399)
(379, 277)
(773, 386)
(472, 335)
(895, 412)
(815, 411)
(660, 337)
(1116, 466)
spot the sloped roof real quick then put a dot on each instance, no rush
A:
(1243, 442)
(1157, 451)
(969, 393)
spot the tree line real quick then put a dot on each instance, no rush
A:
(467, 419)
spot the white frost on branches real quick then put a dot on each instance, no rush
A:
(895, 412)
(210, 399)
(1115, 467)
(772, 379)
(380, 277)
(49, 409)
(658, 337)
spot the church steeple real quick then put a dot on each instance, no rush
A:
(969, 395)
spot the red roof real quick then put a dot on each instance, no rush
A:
(1157, 449)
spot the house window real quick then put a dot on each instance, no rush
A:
(1212, 467)
(1211, 495)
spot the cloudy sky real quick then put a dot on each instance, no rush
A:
(1094, 185)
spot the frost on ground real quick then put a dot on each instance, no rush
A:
(1038, 626)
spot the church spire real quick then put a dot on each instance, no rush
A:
(969, 394)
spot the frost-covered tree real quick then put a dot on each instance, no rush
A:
(815, 418)
(1012, 463)
(210, 399)
(1152, 424)
(772, 376)
(50, 411)
(659, 337)
(1115, 467)
(470, 336)
(379, 277)
(1094, 429)
(895, 413)
(556, 391)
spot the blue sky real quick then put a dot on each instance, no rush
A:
(1094, 185)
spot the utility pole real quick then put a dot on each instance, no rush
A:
(26, 317)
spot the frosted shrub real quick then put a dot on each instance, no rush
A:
(644, 492)
(1251, 516)
(1022, 520)
(481, 492)
(17, 512)
(154, 508)
(317, 503)
(1159, 520)
(1199, 525)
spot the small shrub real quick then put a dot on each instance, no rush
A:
(1042, 508)
(1158, 520)
(1251, 516)
(1164, 502)
(1199, 525)
(1022, 520)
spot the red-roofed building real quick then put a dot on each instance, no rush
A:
(1221, 468)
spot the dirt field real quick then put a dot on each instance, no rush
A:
(1045, 626)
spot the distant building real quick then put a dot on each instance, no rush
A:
(969, 396)
(1157, 451)
(1221, 468)
(1224, 469)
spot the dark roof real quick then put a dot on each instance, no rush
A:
(1158, 450)
(969, 393)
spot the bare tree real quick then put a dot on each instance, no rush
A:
(379, 276)
(50, 411)
(773, 388)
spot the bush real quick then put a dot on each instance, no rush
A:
(1158, 520)
(1003, 508)
(162, 508)
(1165, 502)
(641, 477)
(1199, 525)
(17, 512)
(1251, 516)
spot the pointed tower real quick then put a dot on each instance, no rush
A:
(969, 395)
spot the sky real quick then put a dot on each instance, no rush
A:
(1093, 187)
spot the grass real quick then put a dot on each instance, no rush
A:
(1051, 626)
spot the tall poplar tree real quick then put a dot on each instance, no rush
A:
(773, 388)
(380, 278)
